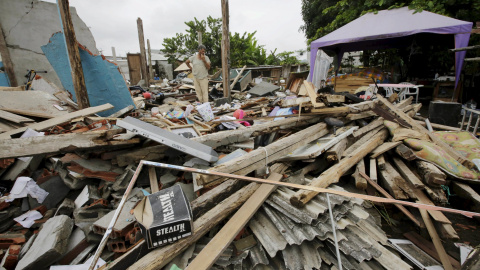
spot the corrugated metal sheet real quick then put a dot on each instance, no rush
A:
(294, 239)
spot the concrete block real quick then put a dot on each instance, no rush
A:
(66, 208)
(84, 219)
(50, 244)
(6, 217)
(57, 191)
(10, 259)
(13, 238)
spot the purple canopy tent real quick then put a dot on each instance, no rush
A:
(382, 30)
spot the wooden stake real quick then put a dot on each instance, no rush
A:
(333, 174)
(436, 240)
(7, 61)
(210, 253)
(386, 194)
(237, 77)
(73, 54)
(467, 163)
(360, 182)
(150, 69)
(143, 56)
(225, 50)
(153, 179)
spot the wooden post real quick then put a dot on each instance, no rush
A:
(199, 33)
(73, 54)
(7, 61)
(143, 56)
(225, 50)
(150, 69)
(114, 55)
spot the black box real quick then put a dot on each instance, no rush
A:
(164, 217)
(445, 113)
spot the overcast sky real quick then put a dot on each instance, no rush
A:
(113, 22)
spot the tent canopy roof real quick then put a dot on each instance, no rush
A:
(390, 24)
(390, 28)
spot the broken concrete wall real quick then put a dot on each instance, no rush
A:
(27, 25)
(104, 82)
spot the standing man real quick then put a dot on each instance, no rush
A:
(201, 65)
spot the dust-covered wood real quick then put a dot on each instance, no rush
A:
(333, 174)
(430, 174)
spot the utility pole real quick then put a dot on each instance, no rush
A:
(7, 61)
(73, 54)
(225, 50)
(143, 56)
(150, 69)
(114, 54)
(199, 34)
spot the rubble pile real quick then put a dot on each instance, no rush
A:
(63, 177)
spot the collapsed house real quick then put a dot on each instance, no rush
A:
(333, 174)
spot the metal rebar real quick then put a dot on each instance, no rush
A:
(330, 210)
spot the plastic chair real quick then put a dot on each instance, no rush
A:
(410, 91)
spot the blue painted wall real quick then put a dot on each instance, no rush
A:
(103, 80)
(3, 77)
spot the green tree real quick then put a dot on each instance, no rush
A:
(244, 48)
(324, 16)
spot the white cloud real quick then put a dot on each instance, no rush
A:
(113, 22)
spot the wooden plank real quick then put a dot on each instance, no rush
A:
(143, 55)
(312, 94)
(73, 54)
(323, 144)
(159, 257)
(333, 110)
(373, 170)
(371, 126)
(22, 147)
(14, 117)
(352, 148)
(40, 126)
(257, 158)
(405, 152)
(436, 240)
(467, 163)
(152, 174)
(390, 182)
(237, 77)
(439, 127)
(381, 162)
(32, 103)
(407, 174)
(17, 88)
(429, 248)
(430, 173)
(335, 153)
(387, 195)
(383, 148)
(210, 253)
(333, 174)
(7, 61)
(360, 181)
(466, 192)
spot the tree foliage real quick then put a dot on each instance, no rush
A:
(324, 16)
(244, 48)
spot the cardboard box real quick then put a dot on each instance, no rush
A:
(164, 217)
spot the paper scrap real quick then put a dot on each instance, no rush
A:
(25, 186)
(28, 218)
(27, 134)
